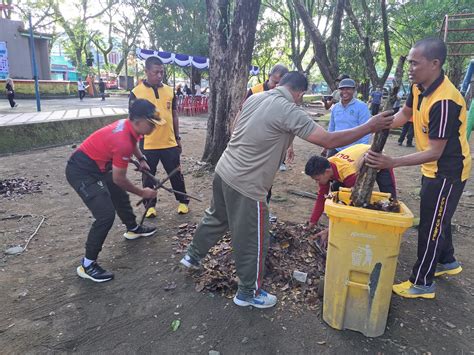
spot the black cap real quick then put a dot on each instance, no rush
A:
(141, 108)
(347, 83)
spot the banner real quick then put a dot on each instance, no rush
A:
(182, 60)
(3, 60)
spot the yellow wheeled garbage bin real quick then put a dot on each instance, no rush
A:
(361, 261)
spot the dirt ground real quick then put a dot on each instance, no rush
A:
(46, 308)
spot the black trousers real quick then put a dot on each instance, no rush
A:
(375, 109)
(102, 95)
(101, 196)
(170, 158)
(11, 98)
(82, 93)
(439, 199)
(407, 131)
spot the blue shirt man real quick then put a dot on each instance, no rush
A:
(348, 113)
(376, 99)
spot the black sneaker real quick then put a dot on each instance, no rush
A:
(138, 232)
(94, 272)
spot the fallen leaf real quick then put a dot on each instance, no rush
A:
(175, 325)
(199, 287)
(170, 286)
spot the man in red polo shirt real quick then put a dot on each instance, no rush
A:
(97, 171)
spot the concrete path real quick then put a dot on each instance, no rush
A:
(60, 110)
(48, 105)
(13, 119)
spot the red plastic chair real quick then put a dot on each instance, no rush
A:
(197, 103)
(180, 103)
(188, 108)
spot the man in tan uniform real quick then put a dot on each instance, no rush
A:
(267, 126)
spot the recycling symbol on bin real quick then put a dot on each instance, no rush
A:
(362, 256)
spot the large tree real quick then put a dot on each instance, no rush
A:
(104, 43)
(366, 22)
(232, 26)
(270, 46)
(417, 19)
(78, 29)
(325, 47)
(128, 27)
(298, 40)
(177, 26)
(7, 10)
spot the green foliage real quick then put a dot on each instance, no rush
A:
(270, 46)
(178, 26)
(351, 61)
(416, 19)
(181, 26)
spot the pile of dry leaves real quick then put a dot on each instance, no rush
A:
(290, 250)
(18, 186)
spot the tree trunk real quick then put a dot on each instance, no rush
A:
(325, 50)
(196, 78)
(397, 83)
(125, 64)
(455, 69)
(369, 56)
(362, 190)
(231, 43)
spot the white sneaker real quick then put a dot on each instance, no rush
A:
(262, 300)
(190, 262)
(272, 218)
(283, 167)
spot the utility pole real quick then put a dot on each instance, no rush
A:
(98, 64)
(33, 65)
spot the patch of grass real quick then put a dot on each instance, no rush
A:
(311, 98)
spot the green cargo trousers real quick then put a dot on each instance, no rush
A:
(247, 221)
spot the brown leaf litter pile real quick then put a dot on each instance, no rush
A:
(19, 186)
(386, 205)
(290, 250)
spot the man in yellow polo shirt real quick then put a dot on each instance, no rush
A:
(440, 121)
(342, 168)
(164, 143)
(276, 73)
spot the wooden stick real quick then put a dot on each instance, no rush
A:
(362, 190)
(34, 233)
(303, 194)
